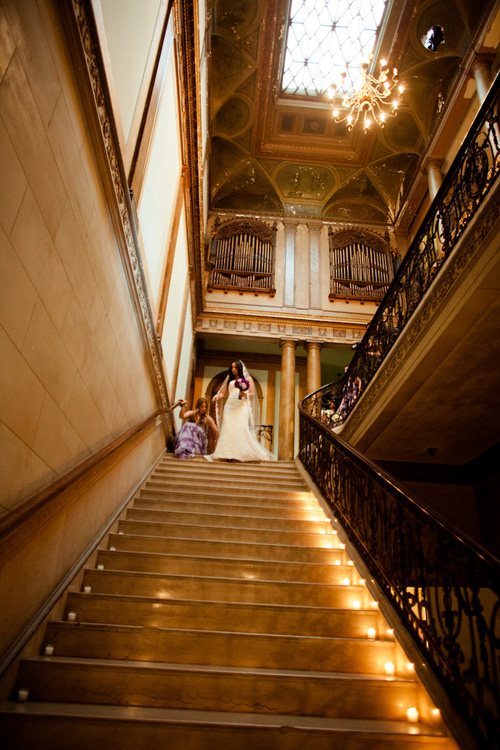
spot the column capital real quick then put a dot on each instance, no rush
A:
(312, 345)
(286, 343)
(481, 62)
(431, 163)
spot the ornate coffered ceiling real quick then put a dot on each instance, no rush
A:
(284, 155)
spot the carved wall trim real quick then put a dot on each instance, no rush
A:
(132, 260)
(267, 327)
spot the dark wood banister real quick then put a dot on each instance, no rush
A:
(15, 518)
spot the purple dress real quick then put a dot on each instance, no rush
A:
(191, 440)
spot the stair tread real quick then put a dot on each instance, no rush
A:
(236, 560)
(147, 713)
(190, 514)
(160, 666)
(327, 639)
(261, 545)
(220, 603)
(242, 581)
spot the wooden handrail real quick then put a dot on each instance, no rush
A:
(16, 517)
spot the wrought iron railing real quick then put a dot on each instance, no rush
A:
(465, 187)
(442, 585)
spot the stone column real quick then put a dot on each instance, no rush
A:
(433, 169)
(482, 76)
(287, 401)
(313, 349)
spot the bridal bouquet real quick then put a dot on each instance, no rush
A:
(242, 384)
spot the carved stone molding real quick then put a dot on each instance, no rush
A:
(132, 259)
(323, 331)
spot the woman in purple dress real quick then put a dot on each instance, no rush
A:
(191, 440)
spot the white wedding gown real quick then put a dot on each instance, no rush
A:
(236, 439)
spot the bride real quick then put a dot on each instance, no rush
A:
(237, 440)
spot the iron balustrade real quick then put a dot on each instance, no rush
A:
(443, 586)
(468, 182)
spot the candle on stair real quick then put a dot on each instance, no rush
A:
(412, 715)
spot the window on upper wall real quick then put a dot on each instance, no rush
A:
(362, 265)
(242, 256)
(325, 36)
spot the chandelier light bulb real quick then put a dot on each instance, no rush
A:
(369, 96)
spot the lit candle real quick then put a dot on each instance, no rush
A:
(337, 562)
(71, 616)
(371, 632)
(362, 581)
(410, 667)
(87, 589)
(356, 604)
(113, 549)
(23, 694)
(350, 562)
(389, 668)
(329, 545)
(49, 650)
(346, 582)
(374, 605)
(412, 714)
(390, 633)
(100, 567)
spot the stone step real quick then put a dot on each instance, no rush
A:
(221, 470)
(138, 727)
(244, 496)
(165, 586)
(150, 501)
(255, 551)
(263, 521)
(219, 648)
(226, 533)
(228, 500)
(252, 690)
(200, 464)
(231, 484)
(226, 615)
(157, 562)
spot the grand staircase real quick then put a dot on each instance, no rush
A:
(223, 612)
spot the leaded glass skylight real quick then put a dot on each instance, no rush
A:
(325, 36)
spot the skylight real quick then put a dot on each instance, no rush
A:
(325, 36)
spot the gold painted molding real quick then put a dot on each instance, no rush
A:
(130, 253)
(279, 326)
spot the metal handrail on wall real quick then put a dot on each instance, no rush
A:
(443, 586)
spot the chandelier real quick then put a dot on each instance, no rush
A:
(373, 99)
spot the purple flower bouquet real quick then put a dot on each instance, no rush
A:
(242, 384)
